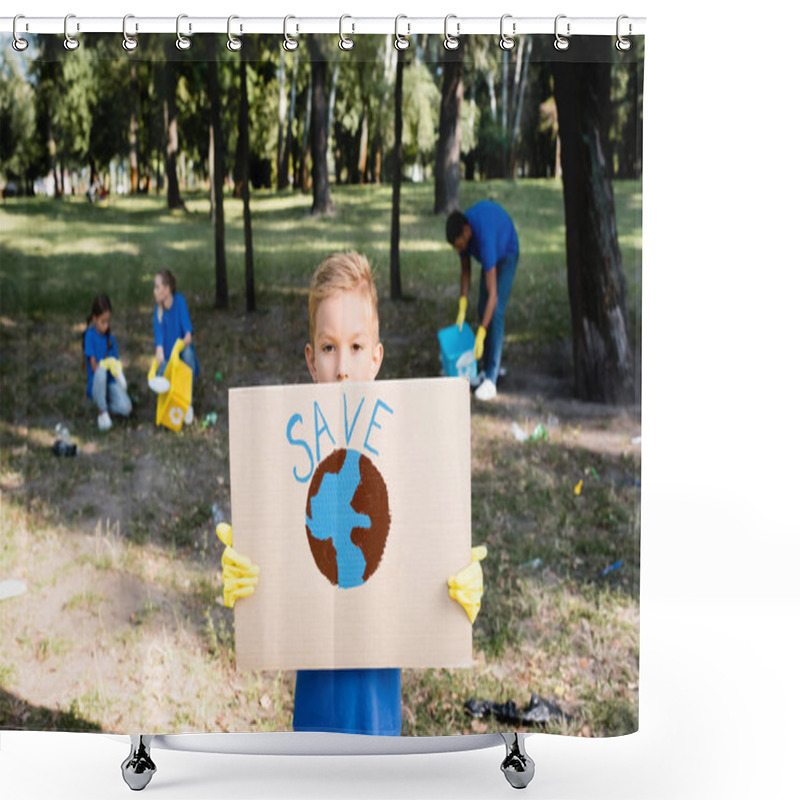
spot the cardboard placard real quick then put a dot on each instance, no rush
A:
(354, 500)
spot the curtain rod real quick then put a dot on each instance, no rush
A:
(348, 25)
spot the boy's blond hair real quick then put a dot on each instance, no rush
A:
(341, 272)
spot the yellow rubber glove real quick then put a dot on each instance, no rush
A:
(239, 573)
(113, 365)
(479, 337)
(466, 587)
(462, 311)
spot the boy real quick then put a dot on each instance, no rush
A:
(486, 232)
(344, 345)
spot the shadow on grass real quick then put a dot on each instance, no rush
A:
(19, 714)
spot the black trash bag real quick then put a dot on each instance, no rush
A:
(538, 712)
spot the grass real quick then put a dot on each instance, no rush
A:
(124, 531)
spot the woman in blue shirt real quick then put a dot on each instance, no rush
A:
(171, 322)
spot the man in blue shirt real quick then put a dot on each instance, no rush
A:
(486, 232)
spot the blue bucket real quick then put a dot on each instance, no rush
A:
(457, 351)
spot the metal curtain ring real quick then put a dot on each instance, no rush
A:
(623, 44)
(19, 44)
(129, 43)
(234, 44)
(507, 42)
(345, 42)
(69, 42)
(451, 42)
(182, 43)
(289, 44)
(561, 42)
(401, 42)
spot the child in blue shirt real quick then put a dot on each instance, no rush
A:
(486, 232)
(106, 384)
(171, 322)
(344, 346)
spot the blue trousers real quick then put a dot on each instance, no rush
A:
(493, 346)
(109, 395)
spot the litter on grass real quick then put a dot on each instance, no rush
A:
(518, 433)
(12, 588)
(539, 433)
(610, 568)
(209, 419)
(538, 712)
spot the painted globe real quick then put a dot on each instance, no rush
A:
(347, 518)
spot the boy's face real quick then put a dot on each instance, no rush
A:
(345, 347)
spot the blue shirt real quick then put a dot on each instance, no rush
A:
(348, 701)
(174, 324)
(97, 346)
(493, 234)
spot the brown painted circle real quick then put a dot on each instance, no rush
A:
(370, 498)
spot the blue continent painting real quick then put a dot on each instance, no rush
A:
(332, 517)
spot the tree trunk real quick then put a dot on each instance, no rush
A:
(362, 146)
(133, 130)
(524, 56)
(51, 153)
(448, 147)
(171, 133)
(397, 182)
(520, 53)
(244, 135)
(305, 157)
(217, 173)
(504, 90)
(492, 95)
(283, 178)
(332, 99)
(283, 167)
(603, 360)
(319, 132)
(377, 156)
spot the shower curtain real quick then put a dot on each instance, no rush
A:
(236, 164)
